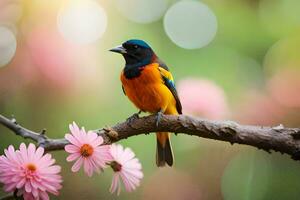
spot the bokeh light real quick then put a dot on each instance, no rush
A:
(283, 54)
(246, 176)
(258, 175)
(190, 24)
(10, 11)
(165, 184)
(8, 45)
(280, 17)
(203, 98)
(62, 71)
(52, 56)
(285, 87)
(142, 11)
(259, 108)
(82, 21)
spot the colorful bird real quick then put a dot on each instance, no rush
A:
(149, 85)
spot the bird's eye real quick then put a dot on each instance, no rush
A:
(135, 46)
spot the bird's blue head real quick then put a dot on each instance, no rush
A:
(137, 42)
(137, 53)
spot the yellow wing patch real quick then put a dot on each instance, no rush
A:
(166, 73)
(169, 82)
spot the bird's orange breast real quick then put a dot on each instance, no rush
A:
(148, 91)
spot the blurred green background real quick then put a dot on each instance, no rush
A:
(232, 60)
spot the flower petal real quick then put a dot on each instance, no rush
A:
(73, 140)
(31, 152)
(77, 165)
(115, 183)
(88, 169)
(73, 157)
(39, 153)
(72, 148)
(91, 136)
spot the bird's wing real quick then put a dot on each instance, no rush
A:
(123, 90)
(169, 82)
(161, 63)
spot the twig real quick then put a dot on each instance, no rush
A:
(284, 140)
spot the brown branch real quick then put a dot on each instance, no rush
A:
(40, 138)
(284, 140)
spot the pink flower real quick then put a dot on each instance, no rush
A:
(86, 149)
(202, 97)
(30, 172)
(126, 167)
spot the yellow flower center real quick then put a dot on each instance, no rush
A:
(31, 167)
(86, 150)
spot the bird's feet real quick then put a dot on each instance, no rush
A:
(158, 117)
(133, 117)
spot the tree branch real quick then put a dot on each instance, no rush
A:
(284, 140)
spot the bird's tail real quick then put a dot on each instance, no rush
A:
(164, 153)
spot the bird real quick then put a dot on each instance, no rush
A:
(149, 85)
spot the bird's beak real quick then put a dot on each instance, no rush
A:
(119, 49)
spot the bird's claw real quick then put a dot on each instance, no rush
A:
(158, 118)
(133, 117)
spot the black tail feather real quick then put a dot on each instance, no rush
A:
(164, 154)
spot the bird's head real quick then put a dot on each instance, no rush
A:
(135, 52)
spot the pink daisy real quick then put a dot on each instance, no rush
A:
(126, 167)
(29, 172)
(86, 149)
